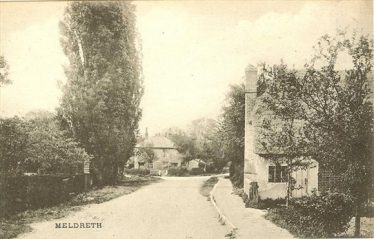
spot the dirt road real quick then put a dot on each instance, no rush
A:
(173, 208)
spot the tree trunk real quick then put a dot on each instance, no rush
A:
(288, 190)
(116, 172)
(288, 182)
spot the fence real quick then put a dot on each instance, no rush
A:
(19, 193)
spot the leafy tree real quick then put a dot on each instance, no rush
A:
(202, 132)
(337, 109)
(4, 71)
(146, 153)
(186, 145)
(49, 150)
(38, 146)
(231, 132)
(199, 141)
(100, 105)
(279, 113)
(13, 144)
(210, 149)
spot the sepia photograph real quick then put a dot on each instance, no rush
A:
(186, 119)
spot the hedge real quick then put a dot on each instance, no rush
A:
(180, 172)
(20, 193)
(137, 171)
(197, 171)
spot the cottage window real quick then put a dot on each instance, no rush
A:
(277, 174)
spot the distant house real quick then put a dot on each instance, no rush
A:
(157, 153)
(195, 163)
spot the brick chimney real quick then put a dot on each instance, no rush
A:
(249, 146)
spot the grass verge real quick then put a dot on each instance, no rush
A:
(17, 224)
(208, 186)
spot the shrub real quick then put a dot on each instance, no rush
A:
(316, 216)
(13, 144)
(38, 146)
(19, 193)
(178, 172)
(210, 168)
(137, 171)
(264, 203)
(236, 175)
(197, 171)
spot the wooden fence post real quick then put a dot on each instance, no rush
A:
(86, 171)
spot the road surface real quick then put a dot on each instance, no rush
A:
(172, 208)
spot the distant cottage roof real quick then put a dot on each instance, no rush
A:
(158, 142)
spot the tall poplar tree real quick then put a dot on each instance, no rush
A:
(231, 132)
(100, 104)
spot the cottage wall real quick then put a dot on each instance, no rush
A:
(166, 157)
(250, 158)
(193, 164)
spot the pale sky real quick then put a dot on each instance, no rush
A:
(192, 51)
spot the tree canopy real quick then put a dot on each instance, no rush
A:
(4, 71)
(335, 107)
(231, 132)
(37, 145)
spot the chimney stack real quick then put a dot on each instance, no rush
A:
(251, 80)
(250, 120)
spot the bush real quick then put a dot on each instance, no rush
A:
(50, 151)
(197, 171)
(322, 215)
(19, 193)
(210, 168)
(38, 146)
(264, 203)
(237, 175)
(178, 172)
(137, 171)
(13, 144)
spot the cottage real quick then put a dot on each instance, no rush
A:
(196, 163)
(158, 153)
(270, 178)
